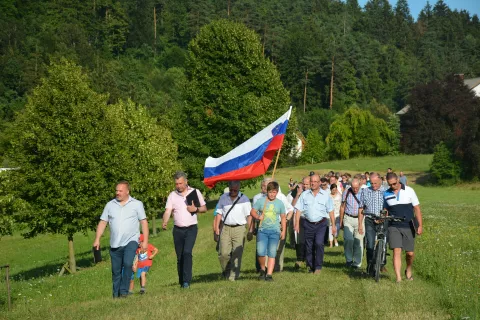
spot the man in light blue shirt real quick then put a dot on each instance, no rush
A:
(124, 214)
(316, 205)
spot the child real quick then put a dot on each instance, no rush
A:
(142, 263)
(269, 234)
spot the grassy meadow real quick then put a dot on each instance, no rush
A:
(446, 270)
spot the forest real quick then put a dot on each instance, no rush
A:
(330, 54)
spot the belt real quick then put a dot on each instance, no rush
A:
(191, 226)
(318, 222)
(234, 225)
(348, 214)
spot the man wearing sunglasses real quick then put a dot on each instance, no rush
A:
(401, 201)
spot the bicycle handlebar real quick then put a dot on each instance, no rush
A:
(384, 217)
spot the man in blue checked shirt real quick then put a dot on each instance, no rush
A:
(316, 206)
(372, 204)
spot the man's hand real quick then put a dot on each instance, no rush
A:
(341, 224)
(191, 208)
(250, 236)
(282, 235)
(217, 231)
(419, 230)
(145, 246)
(334, 229)
(360, 230)
(96, 244)
(164, 225)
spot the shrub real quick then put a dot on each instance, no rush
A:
(445, 169)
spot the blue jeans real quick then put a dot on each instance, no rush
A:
(122, 259)
(370, 233)
(267, 243)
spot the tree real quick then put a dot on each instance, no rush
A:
(439, 110)
(148, 154)
(315, 148)
(444, 168)
(358, 133)
(71, 148)
(232, 93)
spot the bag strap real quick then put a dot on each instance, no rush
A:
(353, 194)
(233, 205)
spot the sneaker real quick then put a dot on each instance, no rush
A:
(336, 244)
(130, 292)
(142, 290)
(186, 285)
(348, 264)
(268, 277)
(261, 276)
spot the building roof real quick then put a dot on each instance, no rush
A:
(472, 83)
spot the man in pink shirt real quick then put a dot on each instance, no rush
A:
(185, 224)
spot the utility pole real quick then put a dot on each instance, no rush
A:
(305, 92)
(331, 83)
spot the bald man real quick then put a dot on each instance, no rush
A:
(353, 239)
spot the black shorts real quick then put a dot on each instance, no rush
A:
(401, 238)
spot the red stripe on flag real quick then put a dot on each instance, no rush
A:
(252, 171)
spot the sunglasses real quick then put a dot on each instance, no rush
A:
(393, 184)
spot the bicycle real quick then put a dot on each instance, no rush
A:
(380, 250)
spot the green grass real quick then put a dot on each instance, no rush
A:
(446, 271)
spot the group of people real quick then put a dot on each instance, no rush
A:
(318, 203)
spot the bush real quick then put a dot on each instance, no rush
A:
(445, 169)
(314, 148)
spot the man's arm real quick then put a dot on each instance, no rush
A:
(418, 215)
(217, 219)
(332, 221)
(166, 217)
(145, 231)
(342, 213)
(284, 226)
(100, 229)
(360, 220)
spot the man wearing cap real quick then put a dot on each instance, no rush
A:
(185, 225)
(353, 240)
(233, 209)
(316, 205)
(124, 215)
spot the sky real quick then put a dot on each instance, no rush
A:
(472, 6)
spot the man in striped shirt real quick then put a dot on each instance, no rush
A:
(372, 204)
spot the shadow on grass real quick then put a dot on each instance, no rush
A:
(83, 260)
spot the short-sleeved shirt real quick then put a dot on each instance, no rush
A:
(143, 260)
(401, 205)
(372, 201)
(123, 221)
(272, 215)
(315, 207)
(351, 205)
(178, 204)
(280, 196)
(403, 180)
(238, 215)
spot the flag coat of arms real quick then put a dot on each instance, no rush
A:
(250, 159)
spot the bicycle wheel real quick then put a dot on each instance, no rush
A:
(378, 259)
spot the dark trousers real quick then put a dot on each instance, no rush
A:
(122, 261)
(300, 245)
(370, 231)
(314, 236)
(184, 240)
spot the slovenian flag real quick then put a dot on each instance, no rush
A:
(250, 159)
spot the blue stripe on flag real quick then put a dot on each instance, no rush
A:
(238, 162)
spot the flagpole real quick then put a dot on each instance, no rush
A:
(276, 161)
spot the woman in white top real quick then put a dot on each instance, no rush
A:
(337, 201)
